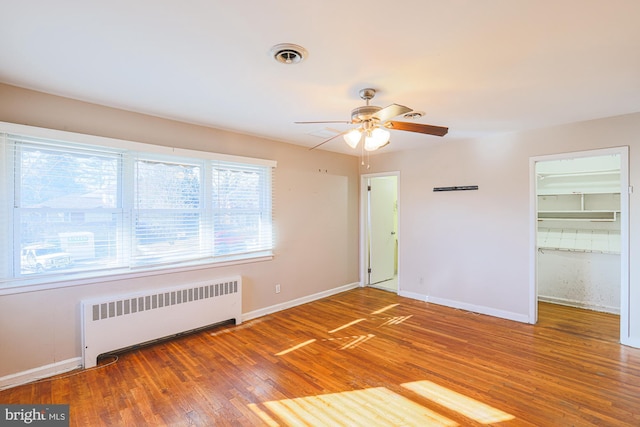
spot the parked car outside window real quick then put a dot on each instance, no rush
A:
(41, 258)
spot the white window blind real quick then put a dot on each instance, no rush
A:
(168, 211)
(241, 205)
(67, 207)
(75, 208)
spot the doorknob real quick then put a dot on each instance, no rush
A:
(393, 233)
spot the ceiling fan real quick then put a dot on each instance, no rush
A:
(373, 123)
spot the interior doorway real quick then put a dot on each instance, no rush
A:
(380, 242)
(580, 232)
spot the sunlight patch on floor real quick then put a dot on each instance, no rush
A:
(295, 347)
(470, 408)
(356, 341)
(397, 320)
(346, 325)
(370, 407)
(383, 309)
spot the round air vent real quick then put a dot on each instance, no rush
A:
(413, 115)
(288, 53)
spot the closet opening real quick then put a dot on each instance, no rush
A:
(581, 233)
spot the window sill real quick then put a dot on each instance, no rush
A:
(19, 286)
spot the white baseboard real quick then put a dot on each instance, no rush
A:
(467, 307)
(412, 295)
(299, 301)
(579, 304)
(40, 372)
(631, 342)
(489, 311)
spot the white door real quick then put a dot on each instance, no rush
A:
(382, 231)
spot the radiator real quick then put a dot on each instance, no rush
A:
(121, 321)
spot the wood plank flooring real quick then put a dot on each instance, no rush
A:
(365, 358)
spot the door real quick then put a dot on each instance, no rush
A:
(382, 231)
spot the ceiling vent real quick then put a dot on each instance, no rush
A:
(288, 53)
(413, 115)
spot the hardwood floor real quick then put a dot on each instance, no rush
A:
(365, 357)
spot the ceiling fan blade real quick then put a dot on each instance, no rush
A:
(330, 139)
(324, 121)
(391, 111)
(417, 127)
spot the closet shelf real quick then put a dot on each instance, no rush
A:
(591, 182)
(577, 193)
(579, 207)
(578, 215)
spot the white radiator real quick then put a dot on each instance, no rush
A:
(120, 321)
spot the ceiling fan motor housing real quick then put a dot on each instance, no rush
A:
(363, 113)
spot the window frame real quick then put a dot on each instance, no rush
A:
(8, 252)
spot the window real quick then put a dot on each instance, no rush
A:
(90, 209)
(168, 211)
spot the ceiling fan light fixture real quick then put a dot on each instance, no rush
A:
(378, 138)
(353, 137)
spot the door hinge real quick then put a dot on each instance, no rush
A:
(368, 188)
(369, 271)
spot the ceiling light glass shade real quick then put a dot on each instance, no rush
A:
(377, 139)
(353, 137)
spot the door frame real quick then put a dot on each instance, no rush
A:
(625, 303)
(364, 222)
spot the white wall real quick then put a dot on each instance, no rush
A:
(580, 279)
(471, 248)
(315, 212)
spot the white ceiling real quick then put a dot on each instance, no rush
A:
(478, 67)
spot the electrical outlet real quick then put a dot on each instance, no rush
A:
(278, 288)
